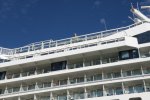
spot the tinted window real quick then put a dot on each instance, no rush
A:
(138, 98)
(128, 54)
(58, 65)
(143, 37)
(2, 75)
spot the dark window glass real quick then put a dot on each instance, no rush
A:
(138, 98)
(58, 65)
(143, 37)
(128, 54)
(2, 75)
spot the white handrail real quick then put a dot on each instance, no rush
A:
(51, 43)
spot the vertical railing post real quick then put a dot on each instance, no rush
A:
(85, 93)
(68, 81)
(121, 73)
(85, 78)
(102, 74)
(52, 83)
(36, 86)
(68, 95)
(51, 96)
(21, 89)
(144, 86)
(142, 70)
(139, 52)
(104, 91)
(19, 98)
(123, 89)
(6, 90)
(35, 97)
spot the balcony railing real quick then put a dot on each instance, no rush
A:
(50, 43)
(79, 80)
(66, 49)
(88, 63)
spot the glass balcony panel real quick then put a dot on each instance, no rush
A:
(45, 98)
(91, 94)
(46, 70)
(90, 78)
(39, 71)
(96, 62)
(139, 89)
(119, 91)
(109, 92)
(108, 76)
(95, 93)
(9, 76)
(31, 87)
(99, 93)
(146, 71)
(31, 73)
(88, 63)
(16, 89)
(71, 66)
(17, 75)
(79, 65)
(56, 83)
(79, 96)
(73, 81)
(10, 90)
(80, 80)
(116, 75)
(148, 87)
(63, 82)
(105, 61)
(24, 74)
(47, 84)
(131, 90)
(127, 73)
(24, 88)
(40, 85)
(136, 72)
(2, 91)
(62, 98)
(98, 77)
(113, 59)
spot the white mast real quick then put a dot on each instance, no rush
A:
(140, 15)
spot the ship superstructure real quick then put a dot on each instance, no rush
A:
(107, 65)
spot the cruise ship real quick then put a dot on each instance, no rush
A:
(108, 65)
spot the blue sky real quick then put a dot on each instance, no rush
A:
(25, 21)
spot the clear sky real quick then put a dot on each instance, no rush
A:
(25, 21)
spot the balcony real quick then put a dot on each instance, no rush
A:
(85, 79)
(93, 92)
(97, 46)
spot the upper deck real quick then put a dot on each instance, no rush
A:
(9, 54)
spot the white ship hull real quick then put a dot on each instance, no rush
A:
(108, 65)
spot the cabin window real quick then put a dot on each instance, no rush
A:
(143, 37)
(128, 54)
(58, 65)
(137, 98)
(2, 75)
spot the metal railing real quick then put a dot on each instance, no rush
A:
(67, 49)
(50, 43)
(75, 81)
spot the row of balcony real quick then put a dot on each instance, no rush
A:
(65, 49)
(92, 91)
(51, 43)
(69, 66)
(85, 63)
(86, 78)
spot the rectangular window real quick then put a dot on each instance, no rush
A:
(58, 65)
